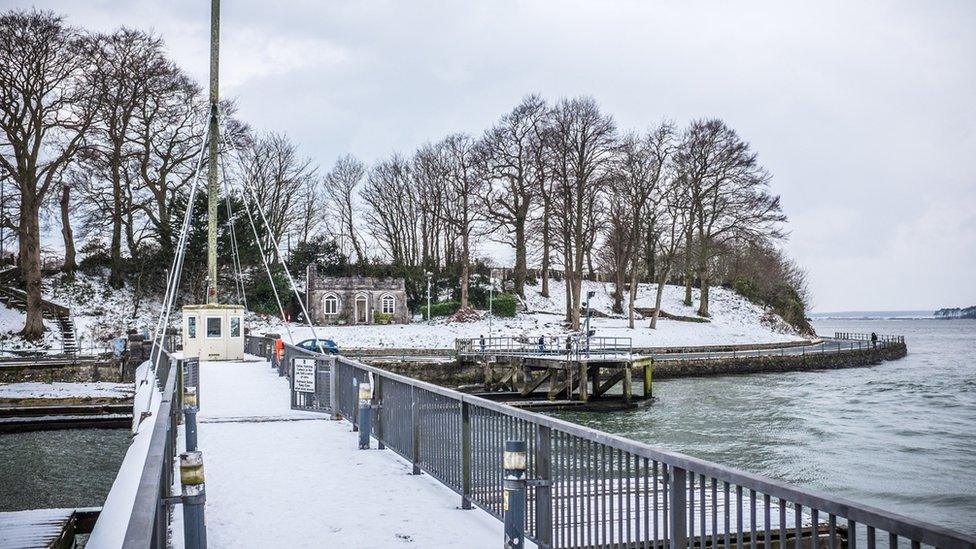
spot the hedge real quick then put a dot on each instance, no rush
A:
(443, 308)
(504, 305)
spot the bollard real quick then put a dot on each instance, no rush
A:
(194, 498)
(365, 417)
(513, 502)
(190, 413)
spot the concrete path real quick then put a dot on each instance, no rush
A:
(282, 478)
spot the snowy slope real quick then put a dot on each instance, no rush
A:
(734, 321)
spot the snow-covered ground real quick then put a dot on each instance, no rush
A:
(734, 320)
(58, 390)
(283, 478)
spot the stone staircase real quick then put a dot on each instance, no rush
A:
(15, 298)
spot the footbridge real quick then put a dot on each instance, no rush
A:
(284, 469)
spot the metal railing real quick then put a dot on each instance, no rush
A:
(826, 346)
(868, 337)
(573, 346)
(149, 522)
(596, 489)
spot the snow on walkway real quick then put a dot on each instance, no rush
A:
(283, 478)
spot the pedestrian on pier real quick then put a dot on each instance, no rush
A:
(481, 339)
(542, 344)
(874, 340)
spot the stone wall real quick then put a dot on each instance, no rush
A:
(787, 363)
(64, 371)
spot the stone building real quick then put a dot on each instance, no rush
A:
(356, 299)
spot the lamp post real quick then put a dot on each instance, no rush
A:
(491, 294)
(588, 296)
(429, 274)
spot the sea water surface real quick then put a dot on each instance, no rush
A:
(64, 468)
(900, 435)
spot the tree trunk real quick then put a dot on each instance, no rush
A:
(545, 252)
(30, 263)
(69, 240)
(115, 277)
(660, 295)
(633, 293)
(520, 261)
(703, 281)
(464, 271)
(689, 275)
(619, 276)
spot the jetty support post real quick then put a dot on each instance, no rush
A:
(190, 415)
(584, 380)
(365, 414)
(513, 494)
(649, 378)
(194, 499)
(628, 384)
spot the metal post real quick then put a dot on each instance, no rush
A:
(513, 495)
(649, 379)
(212, 184)
(429, 274)
(365, 419)
(415, 429)
(190, 413)
(543, 490)
(677, 511)
(378, 417)
(194, 497)
(465, 455)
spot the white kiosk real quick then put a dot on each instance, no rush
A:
(213, 332)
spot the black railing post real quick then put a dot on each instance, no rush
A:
(543, 490)
(414, 430)
(677, 510)
(378, 406)
(465, 455)
(513, 493)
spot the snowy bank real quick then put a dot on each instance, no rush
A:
(734, 320)
(58, 390)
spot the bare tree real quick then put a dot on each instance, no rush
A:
(125, 62)
(45, 111)
(392, 209)
(166, 138)
(341, 186)
(511, 148)
(429, 170)
(276, 173)
(671, 214)
(729, 194)
(465, 185)
(583, 141)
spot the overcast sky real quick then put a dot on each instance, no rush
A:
(864, 111)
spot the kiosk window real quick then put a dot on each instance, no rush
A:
(213, 326)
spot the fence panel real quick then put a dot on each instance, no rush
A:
(594, 489)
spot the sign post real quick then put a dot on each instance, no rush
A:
(304, 369)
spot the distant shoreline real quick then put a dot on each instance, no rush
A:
(876, 315)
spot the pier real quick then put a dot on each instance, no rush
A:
(282, 471)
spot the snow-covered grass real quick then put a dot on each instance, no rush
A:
(59, 390)
(100, 313)
(734, 320)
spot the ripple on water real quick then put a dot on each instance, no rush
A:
(901, 435)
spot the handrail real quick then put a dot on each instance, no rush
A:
(147, 523)
(856, 514)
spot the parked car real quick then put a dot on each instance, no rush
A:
(327, 346)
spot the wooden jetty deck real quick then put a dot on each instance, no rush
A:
(44, 528)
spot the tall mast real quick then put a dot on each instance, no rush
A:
(212, 186)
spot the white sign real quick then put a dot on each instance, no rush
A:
(304, 372)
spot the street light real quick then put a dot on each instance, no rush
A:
(429, 274)
(588, 296)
